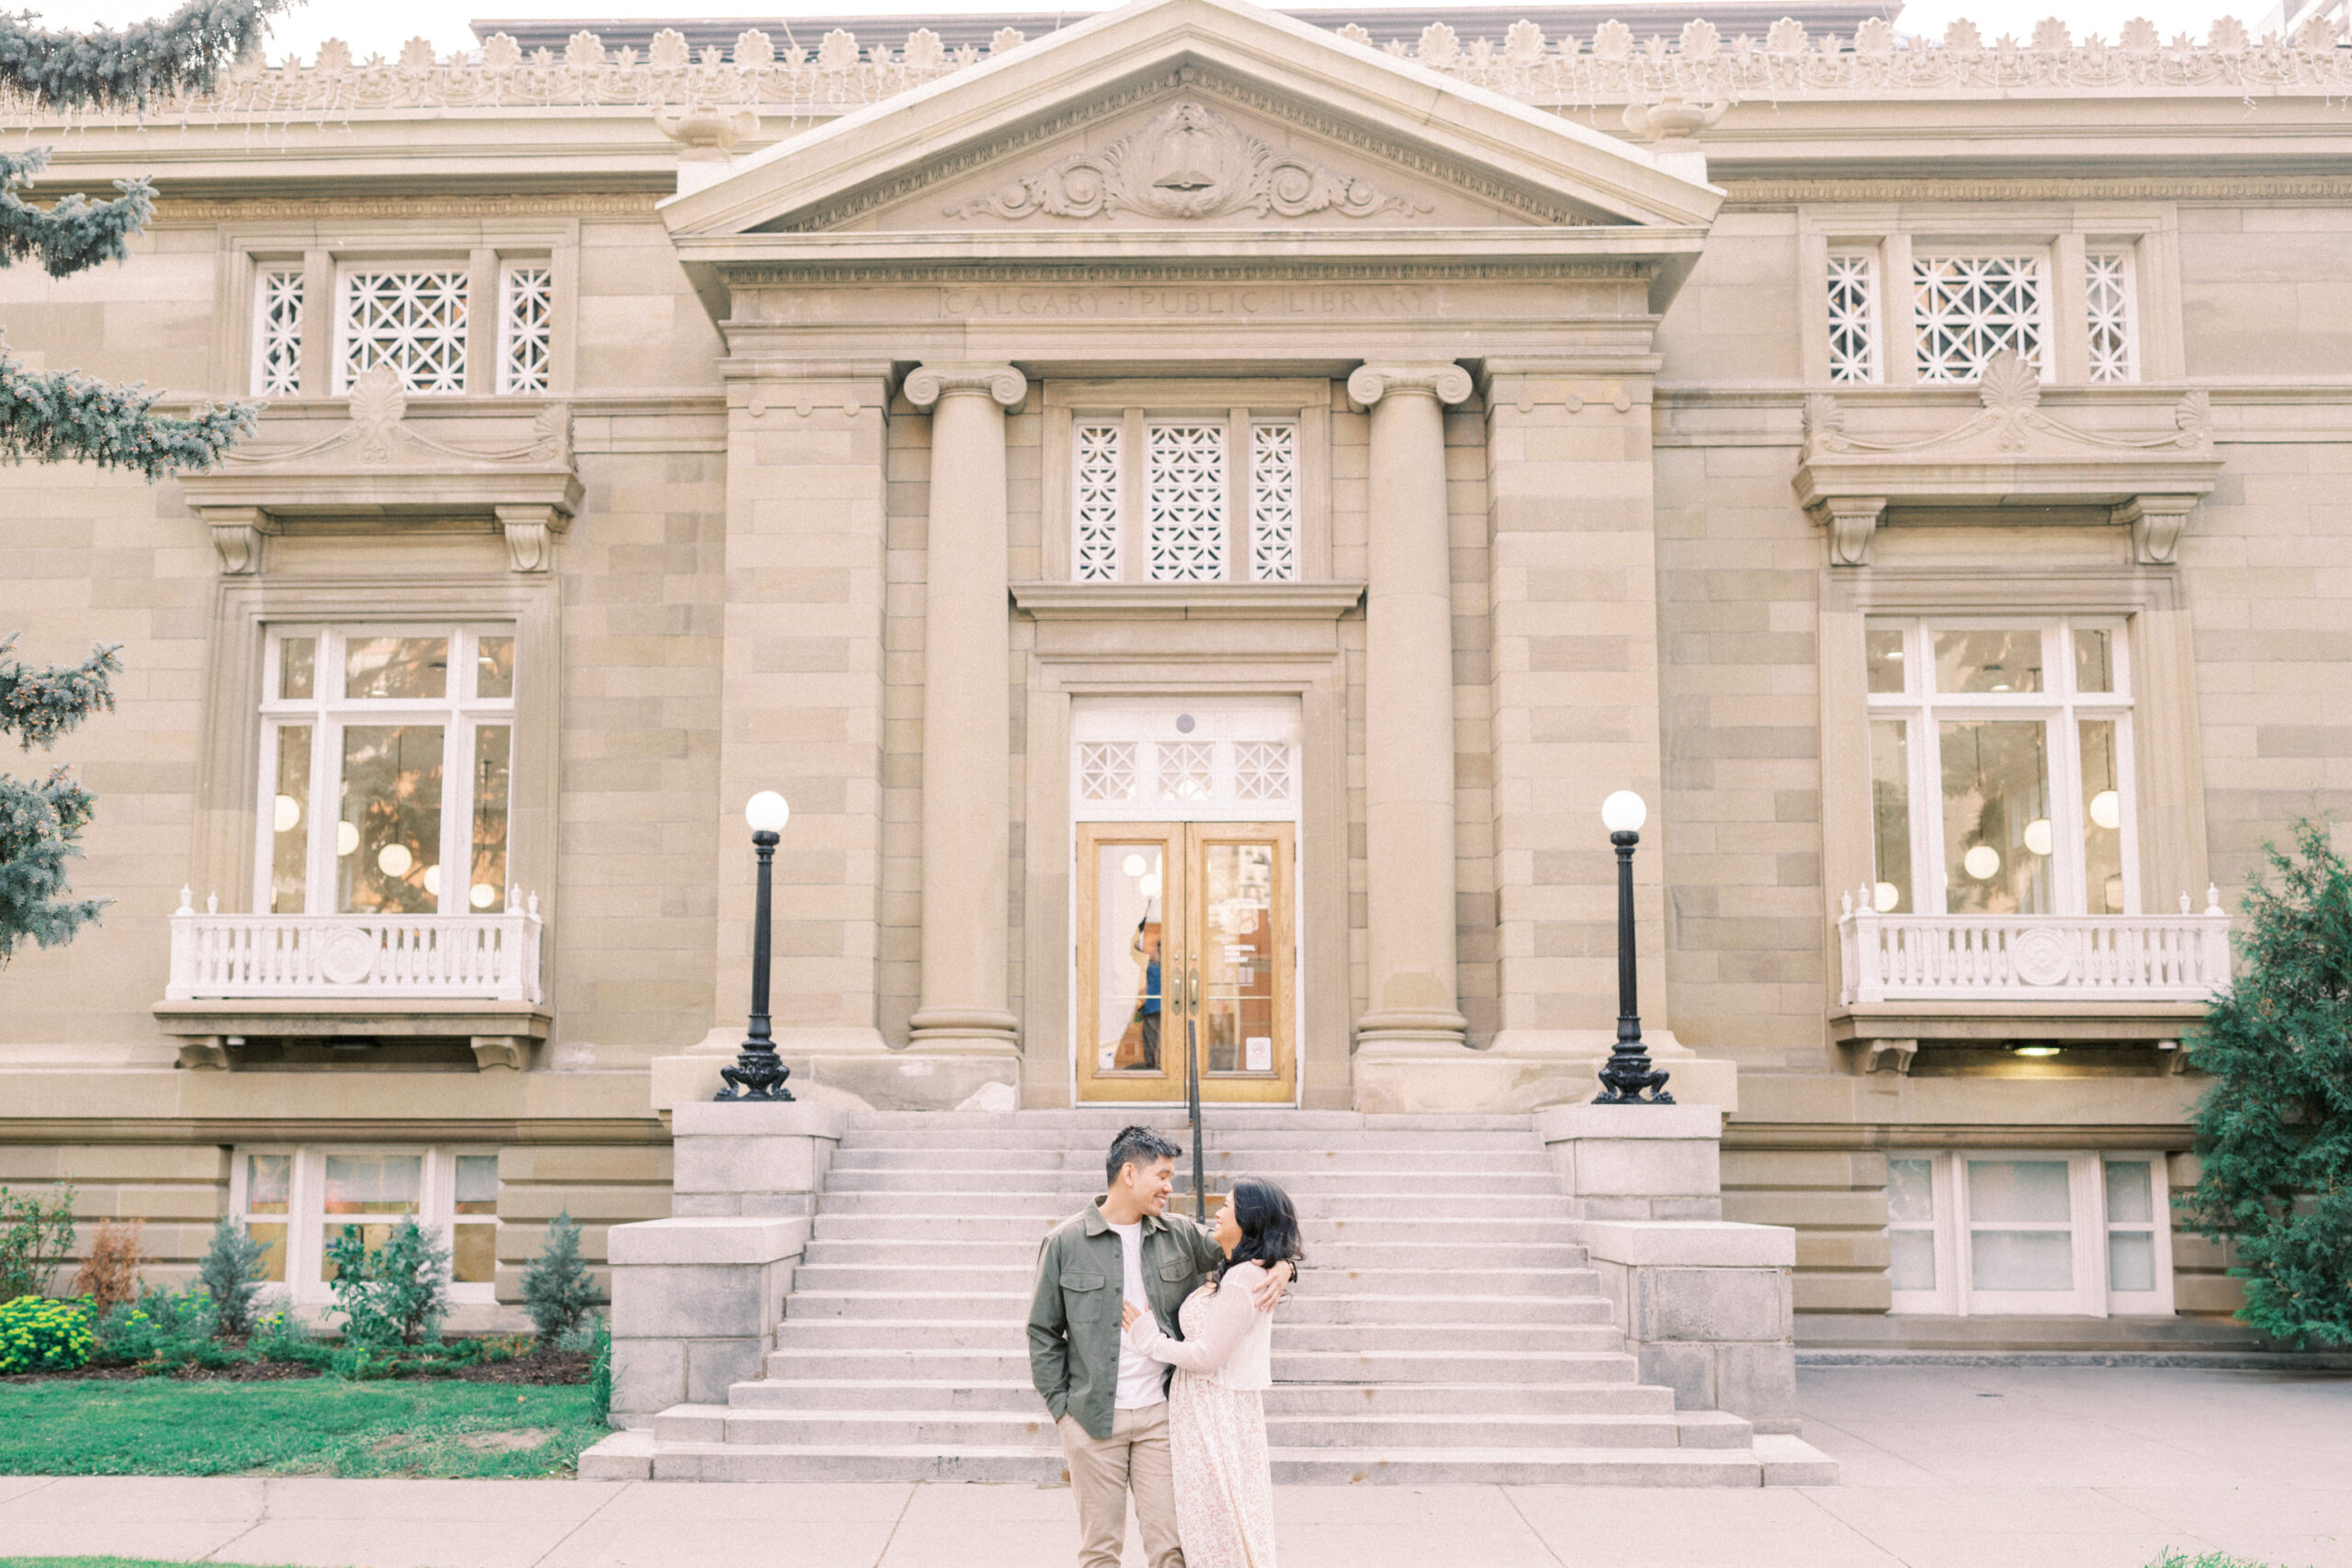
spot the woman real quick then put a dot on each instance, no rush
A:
(1217, 1418)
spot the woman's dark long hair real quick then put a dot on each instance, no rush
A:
(1269, 1225)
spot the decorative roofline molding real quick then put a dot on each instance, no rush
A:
(1612, 67)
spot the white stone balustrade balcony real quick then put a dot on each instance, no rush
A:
(374, 958)
(2033, 958)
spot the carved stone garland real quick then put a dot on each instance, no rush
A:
(1190, 163)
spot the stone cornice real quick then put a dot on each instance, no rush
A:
(2009, 453)
(1045, 274)
(2184, 188)
(1187, 601)
(187, 212)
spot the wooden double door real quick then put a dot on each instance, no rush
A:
(1186, 940)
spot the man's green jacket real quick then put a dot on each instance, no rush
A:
(1074, 1317)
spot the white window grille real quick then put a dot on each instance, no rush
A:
(1095, 502)
(1969, 308)
(2107, 299)
(1184, 504)
(2000, 767)
(1262, 770)
(1106, 769)
(277, 332)
(1273, 502)
(414, 321)
(525, 326)
(1989, 1233)
(297, 1201)
(1853, 316)
(1187, 770)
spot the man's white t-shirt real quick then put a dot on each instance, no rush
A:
(1141, 1379)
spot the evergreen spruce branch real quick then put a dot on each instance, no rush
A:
(63, 415)
(37, 705)
(109, 68)
(74, 234)
(39, 824)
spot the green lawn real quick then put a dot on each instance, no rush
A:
(310, 1427)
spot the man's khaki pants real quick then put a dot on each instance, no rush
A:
(1103, 1470)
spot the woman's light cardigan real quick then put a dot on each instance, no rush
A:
(1233, 1342)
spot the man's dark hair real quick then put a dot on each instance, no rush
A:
(1136, 1146)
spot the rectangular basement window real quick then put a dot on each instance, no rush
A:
(2005, 1233)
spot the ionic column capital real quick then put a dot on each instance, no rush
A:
(1448, 383)
(932, 383)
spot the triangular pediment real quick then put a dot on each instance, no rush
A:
(1201, 114)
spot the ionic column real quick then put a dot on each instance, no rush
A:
(966, 712)
(1408, 711)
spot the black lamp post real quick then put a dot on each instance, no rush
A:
(1627, 1073)
(758, 1072)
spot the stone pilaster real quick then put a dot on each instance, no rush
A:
(1411, 990)
(1576, 712)
(801, 713)
(966, 717)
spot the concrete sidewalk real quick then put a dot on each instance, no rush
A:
(1944, 1467)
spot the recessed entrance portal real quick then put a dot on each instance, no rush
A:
(1186, 925)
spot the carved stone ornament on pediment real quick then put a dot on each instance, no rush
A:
(1190, 163)
(381, 463)
(2009, 453)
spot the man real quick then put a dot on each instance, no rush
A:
(1109, 1403)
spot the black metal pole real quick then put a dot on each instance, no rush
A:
(1193, 1091)
(758, 1072)
(1628, 1072)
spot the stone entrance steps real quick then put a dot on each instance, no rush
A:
(1444, 1330)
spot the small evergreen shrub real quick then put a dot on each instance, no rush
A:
(230, 1274)
(600, 1372)
(41, 1336)
(36, 1234)
(2274, 1133)
(109, 1276)
(558, 1291)
(396, 1294)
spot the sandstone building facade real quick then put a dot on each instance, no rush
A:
(1194, 510)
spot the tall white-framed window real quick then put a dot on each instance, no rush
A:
(412, 318)
(525, 326)
(296, 1200)
(2008, 1233)
(1854, 335)
(277, 332)
(2110, 305)
(1210, 498)
(2000, 765)
(1967, 306)
(386, 755)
